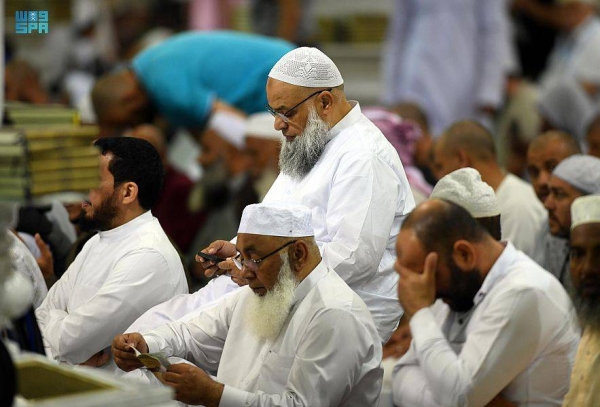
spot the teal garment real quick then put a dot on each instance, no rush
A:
(186, 73)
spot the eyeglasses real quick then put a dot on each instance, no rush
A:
(252, 265)
(284, 115)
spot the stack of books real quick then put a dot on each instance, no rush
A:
(44, 159)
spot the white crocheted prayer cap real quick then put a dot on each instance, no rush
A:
(283, 219)
(260, 125)
(307, 67)
(465, 188)
(581, 171)
(585, 209)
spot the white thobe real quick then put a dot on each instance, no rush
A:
(359, 195)
(328, 352)
(448, 56)
(519, 340)
(119, 274)
(522, 217)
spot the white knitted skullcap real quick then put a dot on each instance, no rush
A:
(261, 125)
(581, 171)
(585, 209)
(307, 67)
(465, 188)
(283, 219)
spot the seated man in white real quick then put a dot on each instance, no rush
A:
(504, 330)
(296, 335)
(126, 269)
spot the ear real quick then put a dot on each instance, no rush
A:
(129, 192)
(325, 102)
(298, 255)
(464, 254)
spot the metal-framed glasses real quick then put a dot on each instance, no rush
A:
(285, 115)
(251, 264)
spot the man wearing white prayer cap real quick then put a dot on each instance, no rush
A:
(465, 188)
(585, 271)
(575, 176)
(296, 335)
(262, 147)
(339, 164)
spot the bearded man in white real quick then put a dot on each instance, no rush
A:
(337, 163)
(296, 335)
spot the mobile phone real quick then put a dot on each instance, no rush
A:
(211, 257)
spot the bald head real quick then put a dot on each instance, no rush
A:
(119, 101)
(434, 215)
(464, 144)
(545, 152)
(592, 137)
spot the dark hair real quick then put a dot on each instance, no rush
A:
(135, 160)
(439, 227)
(492, 225)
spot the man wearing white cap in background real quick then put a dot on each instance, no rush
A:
(585, 271)
(337, 163)
(575, 176)
(296, 335)
(262, 146)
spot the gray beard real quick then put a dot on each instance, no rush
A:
(298, 157)
(265, 316)
(588, 310)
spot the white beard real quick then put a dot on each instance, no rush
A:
(299, 156)
(266, 315)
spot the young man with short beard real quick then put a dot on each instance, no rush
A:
(296, 335)
(121, 272)
(585, 271)
(504, 330)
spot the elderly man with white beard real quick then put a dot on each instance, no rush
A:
(297, 335)
(337, 162)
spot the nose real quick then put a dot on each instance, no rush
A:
(247, 273)
(549, 202)
(279, 124)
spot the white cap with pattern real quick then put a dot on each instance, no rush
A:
(581, 171)
(465, 188)
(283, 219)
(307, 67)
(585, 209)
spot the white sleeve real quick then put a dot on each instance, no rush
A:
(498, 348)
(133, 286)
(332, 352)
(493, 50)
(360, 213)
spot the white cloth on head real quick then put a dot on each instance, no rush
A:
(117, 276)
(581, 171)
(465, 188)
(308, 67)
(261, 125)
(519, 340)
(585, 209)
(328, 352)
(284, 219)
(359, 196)
(523, 218)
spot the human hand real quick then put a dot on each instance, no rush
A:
(399, 342)
(235, 273)
(46, 260)
(98, 359)
(124, 354)
(416, 289)
(220, 248)
(192, 385)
